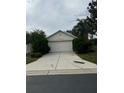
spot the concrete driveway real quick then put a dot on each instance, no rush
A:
(59, 62)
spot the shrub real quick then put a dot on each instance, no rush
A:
(94, 41)
(80, 45)
(35, 55)
(92, 45)
(39, 42)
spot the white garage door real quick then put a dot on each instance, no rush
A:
(65, 46)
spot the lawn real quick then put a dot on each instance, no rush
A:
(30, 59)
(91, 56)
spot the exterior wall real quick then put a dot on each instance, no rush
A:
(60, 37)
(60, 42)
(28, 48)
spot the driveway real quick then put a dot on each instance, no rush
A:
(81, 83)
(59, 62)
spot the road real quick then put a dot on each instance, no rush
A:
(80, 83)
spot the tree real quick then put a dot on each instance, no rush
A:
(81, 29)
(88, 25)
(39, 42)
(92, 19)
(28, 37)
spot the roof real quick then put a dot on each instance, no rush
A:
(69, 34)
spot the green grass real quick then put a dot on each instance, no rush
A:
(91, 56)
(30, 59)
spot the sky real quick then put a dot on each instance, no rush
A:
(53, 15)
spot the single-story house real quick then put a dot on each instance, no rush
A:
(58, 42)
(61, 42)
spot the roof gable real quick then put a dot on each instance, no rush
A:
(61, 36)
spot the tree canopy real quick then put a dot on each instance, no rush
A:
(88, 25)
(92, 19)
(38, 41)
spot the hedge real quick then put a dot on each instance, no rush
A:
(80, 45)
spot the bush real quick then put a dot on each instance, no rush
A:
(80, 45)
(40, 46)
(39, 42)
(35, 55)
(29, 60)
(94, 41)
(92, 45)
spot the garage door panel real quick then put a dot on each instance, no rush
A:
(60, 46)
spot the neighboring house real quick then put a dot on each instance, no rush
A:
(28, 48)
(61, 42)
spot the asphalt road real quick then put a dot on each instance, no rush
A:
(84, 83)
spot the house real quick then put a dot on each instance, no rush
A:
(28, 48)
(61, 42)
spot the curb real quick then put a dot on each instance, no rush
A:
(61, 72)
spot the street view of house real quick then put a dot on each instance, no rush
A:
(65, 61)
